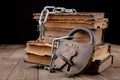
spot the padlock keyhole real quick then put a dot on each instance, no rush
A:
(68, 69)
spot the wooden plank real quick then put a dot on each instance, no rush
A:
(111, 74)
(5, 53)
(10, 68)
(14, 46)
(31, 72)
(7, 50)
(19, 53)
(115, 50)
(116, 61)
(2, 46)
(6, 66)
(118, 69)
(18, 72)
(23, 71)
(90, 77)
(45, 75)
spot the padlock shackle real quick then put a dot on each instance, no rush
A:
(90, 32)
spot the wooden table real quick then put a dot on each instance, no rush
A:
(13, 67)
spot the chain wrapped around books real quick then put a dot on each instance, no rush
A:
(50, 10)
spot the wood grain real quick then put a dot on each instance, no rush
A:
(14, 68)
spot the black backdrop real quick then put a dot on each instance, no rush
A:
(23, 26)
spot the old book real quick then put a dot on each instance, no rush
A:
(38, 48)
(37, 59)
(73, 16)
(61, 27)
(80, 36)
(101, 51)
(100, 65)
(54, 29)
(94, 24)
(38, 52)
(102, 59)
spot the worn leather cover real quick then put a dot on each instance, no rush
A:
(98, 66)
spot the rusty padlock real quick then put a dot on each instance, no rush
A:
(72, 57)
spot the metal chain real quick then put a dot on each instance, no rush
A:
(50, 10)
(47, 11)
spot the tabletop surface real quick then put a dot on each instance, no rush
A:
(13, 67)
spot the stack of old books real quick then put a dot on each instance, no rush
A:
(60, 24)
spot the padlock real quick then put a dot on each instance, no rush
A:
(72, 57)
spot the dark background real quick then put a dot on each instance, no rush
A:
(21, 27)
